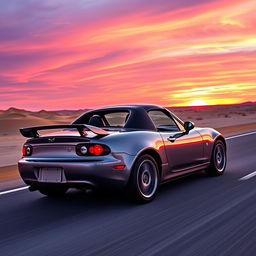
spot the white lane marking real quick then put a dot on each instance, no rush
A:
(240, 135)
(248, 176)
(13, 190)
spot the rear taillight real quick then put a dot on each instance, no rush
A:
(96, 150)
(91, 149)
(83, 150)
(27, 150)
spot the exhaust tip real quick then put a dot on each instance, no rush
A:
(32, 188)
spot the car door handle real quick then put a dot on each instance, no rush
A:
(171, 139)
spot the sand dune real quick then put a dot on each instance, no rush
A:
(228, 119)
(13, 119)
(219, 116)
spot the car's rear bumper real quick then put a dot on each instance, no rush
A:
(74, 173)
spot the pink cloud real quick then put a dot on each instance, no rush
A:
(65, 54)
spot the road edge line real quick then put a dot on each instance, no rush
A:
(13, 190)
(240, 135)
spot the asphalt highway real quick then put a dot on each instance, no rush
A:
(196, 215)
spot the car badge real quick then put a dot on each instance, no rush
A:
(51, 139)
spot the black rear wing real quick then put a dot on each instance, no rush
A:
(32, 132)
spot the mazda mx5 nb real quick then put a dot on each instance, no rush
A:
(130, 148)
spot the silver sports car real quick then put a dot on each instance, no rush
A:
(134, 148)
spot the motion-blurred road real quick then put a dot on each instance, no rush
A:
(196, 215)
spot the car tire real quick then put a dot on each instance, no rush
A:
(218, 159)
(144, 180)
(52, 190)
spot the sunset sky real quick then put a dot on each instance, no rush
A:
(66, 54)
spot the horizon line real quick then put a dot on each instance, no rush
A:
(181, 106)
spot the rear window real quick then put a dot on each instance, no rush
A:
(116, 118)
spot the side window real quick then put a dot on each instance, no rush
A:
(117, 118)
(162, 121)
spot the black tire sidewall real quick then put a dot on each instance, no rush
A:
(213, 170)
(134, 192)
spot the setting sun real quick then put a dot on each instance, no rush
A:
(197, 103)
(187, 53)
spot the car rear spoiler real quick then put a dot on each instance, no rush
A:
(32, 132)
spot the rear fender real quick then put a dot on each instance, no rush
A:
(133, 143)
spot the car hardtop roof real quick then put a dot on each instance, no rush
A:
(138, 118)
(128, 107)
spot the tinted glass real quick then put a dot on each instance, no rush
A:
(116, 118)
(161, 120)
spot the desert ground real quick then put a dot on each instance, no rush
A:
(228, 119)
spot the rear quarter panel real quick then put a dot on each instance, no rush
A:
(134, 142)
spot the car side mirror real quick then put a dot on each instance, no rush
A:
(188, 126)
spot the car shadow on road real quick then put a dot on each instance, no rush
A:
(39, 210)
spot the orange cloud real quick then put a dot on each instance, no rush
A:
(163, 53)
